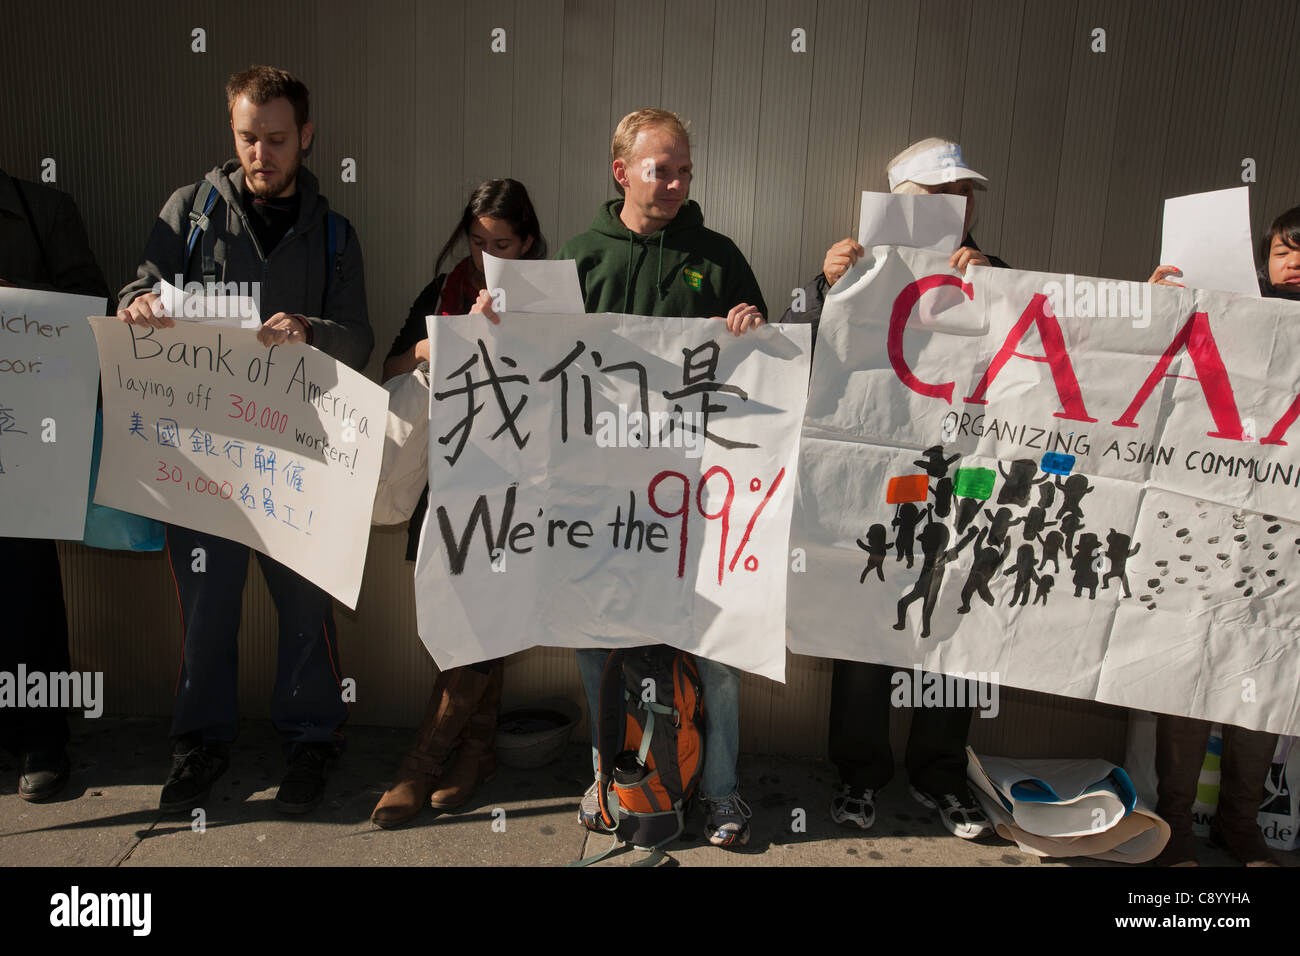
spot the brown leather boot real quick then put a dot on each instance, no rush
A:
(476, 760)
(1180, 753)
(1247, 755)
(455, 697)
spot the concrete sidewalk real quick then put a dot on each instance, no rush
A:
(108, 815)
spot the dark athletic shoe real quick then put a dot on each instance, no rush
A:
(194, 771)
(304, 783)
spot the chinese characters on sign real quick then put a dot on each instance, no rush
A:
(278, 448)
(48, 375)
(602, 480)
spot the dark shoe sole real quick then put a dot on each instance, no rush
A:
(297, 808)
(46, 793)
(180, 806)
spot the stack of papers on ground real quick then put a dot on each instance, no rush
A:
(1065, 808)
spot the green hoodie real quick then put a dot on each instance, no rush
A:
(681, 270)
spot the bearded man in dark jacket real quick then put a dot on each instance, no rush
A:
(267, 225)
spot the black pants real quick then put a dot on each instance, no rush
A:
(307, 702)
(36, 635)
(859, 733)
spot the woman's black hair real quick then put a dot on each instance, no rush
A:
(504, 199)
(1287, 226)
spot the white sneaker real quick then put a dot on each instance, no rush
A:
(589, 809)
(960, 813)
(856, 809)
(726, 821)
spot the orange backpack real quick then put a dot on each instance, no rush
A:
(650, 741)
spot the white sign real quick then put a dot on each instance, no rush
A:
(533, 285)
(275, 447)
(920, 221)
(48, 373)
(1207, 236)
(1086, 487)
(610, 481)
(219, 304)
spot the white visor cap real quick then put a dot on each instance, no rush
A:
(934, 167)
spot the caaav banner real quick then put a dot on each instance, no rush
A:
(1072, 485)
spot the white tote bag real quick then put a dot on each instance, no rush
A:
(405, 469)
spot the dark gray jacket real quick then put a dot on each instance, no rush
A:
(50, 251)
(292, 275)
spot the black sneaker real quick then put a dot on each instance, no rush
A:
(44, 774)
(194, 771)
(304, 784)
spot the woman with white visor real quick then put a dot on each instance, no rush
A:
(860, 693)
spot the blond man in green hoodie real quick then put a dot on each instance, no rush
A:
(649, 253)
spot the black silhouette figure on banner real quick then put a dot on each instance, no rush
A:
(906, 518)
(968, 510)
(877, 547)
(1052, 545)
(936, 466)
(1046, 495)
(1118, 553)
(1017, 485)
(934, 540)
(1025, 574)
(1045, 583)
(1001, 524)
(1085, 575)
(1035, 522)
(1070, 523)
(1072, 492)
(983, 568)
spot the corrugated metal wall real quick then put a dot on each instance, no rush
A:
(1080, 148)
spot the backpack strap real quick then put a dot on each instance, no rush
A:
(204, 199)
(31, 221)
(609, 730)
(665, 747)
(336, 241)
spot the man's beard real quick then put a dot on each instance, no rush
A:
(269, 189)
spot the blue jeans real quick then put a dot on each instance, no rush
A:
(721, 689)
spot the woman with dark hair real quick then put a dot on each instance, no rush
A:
(454, 747)
(1279, 258)
(1181, 741)
(1279, 254)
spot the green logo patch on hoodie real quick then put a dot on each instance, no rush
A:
(693, 278)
